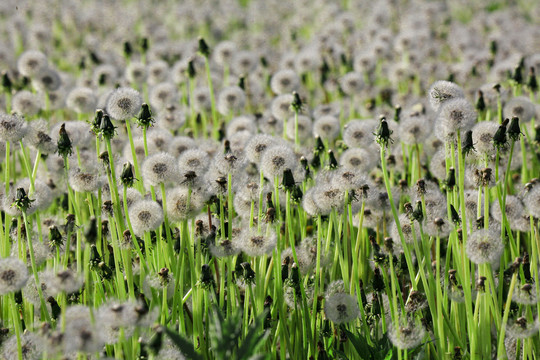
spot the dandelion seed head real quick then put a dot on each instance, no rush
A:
(162, 95)
(31, 346)
(124, 103)
(520, 107)
(327, 127)
(520, 328)
(231, 100)
(284, 81)
(26, 103)
(341, 308)
(13, 275)
(12, 128)
(31, 63)
(145, 215)
(359, 133)
(276, 159)
(484, 246)
(352, 83)
(136, 73)
(406, 336)
(281, 106)
(159, 168)
(443, 91)
(184, 203)
(455, 114)
(358, 160)
(81, 100)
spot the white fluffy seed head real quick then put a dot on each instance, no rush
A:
(159, 168)
(31, 62)
(276, 159)
(359, 133)
(184, 203)
(231, 100)
(341, 308)
(358, 160)
(485, 246)
(352, 83)
(12, 127)
(255, 243)
(163, 95)
(81, 100)
(443, 91)
(145, 215)
(284, 81)
(406, 335)
(520, 107)
(532, 201)
(124, 103)
(13, 275)
(482, 135)
(327, 127)
(26, 103)
(455, 114)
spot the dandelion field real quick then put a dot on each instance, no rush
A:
(260, 179)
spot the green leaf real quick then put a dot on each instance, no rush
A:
(184, 345)
(360, 344)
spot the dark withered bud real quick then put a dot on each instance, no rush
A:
(96, 122)
(249, 274)
(316, 161)
(467, 143)
(128, 49)
(532, 83)
(268, 318)
(517, 76)
(207, 280)
(163, 274)
(107, 129)
(493, 47)
(450, 180)
(55, 308)
(296, 104)
(454, 214)
(457, 353)
(105, 271)
(480, 284)
(294, 277)
(264, 61)
(377, 282)
(403, 184)
(91, 232)
(107, 207)
(269, 202)
(191, 72)
(421, 187)
(288, 180)
(242, 82)
(7, 84)
(22, 201)
(537, 134)
(397, 113)
(297, 194)
(203, 48)
(382, 135)
(408, 209)
(104, 157)
(480, 102)
(127, 177)
(104, 228)
(270, 215)
(55, 238)
(319, 145)
(499, 139)
(526, 267)
(285, 269)
(486, 176)
(156, 342)
(144, 44)
(144, 118)
(64, 145)
(480, 222)
(305, 166)
(95, 258)
(389, 244)
(332, 161)
(514, 131)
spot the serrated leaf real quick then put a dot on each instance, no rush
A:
(185, 346)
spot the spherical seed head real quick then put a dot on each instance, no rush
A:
(67, 281)
(415, 129)
(484, 246)
(184, 203)
(352, 83)
(162, 95)
(13, 275)
(525, 294)
(532, 201)
(284, 81)
(520, 328)
(442, 91)
(12, 127)
(482, 136)
(231, 100)
(255, 243)
(31, 62)
(326, 127)
(124, 103)
(305, 127)
(257, 145)
(145, 215)
(81, 100)
(281, 106)
(85, 181)
(455, 114)
(26, 103)
(31, 346)
(358, 160)
(276, 159)
(406, 336)
(194, 160)
(341, 308)
(159, 168)
(520, 107)
(406, 229)
(359, 133)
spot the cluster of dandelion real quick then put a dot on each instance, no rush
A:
(233, 179)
